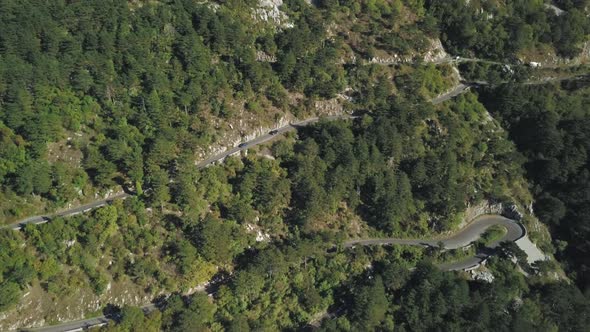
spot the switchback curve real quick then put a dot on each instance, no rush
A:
(462, 238)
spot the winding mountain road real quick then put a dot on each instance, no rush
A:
(83, 324)
(73, 326)
(463, 238)
(459, 59)
(268, 137)
(41, 219)
(464, 86)
(457, 90)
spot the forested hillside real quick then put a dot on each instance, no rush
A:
(550, 125)
(98, 97)
(136, 86)
(497, 29)
(125, 89)
(390, 298)
(340, 179)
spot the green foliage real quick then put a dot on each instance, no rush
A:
(369, 26)
(190, 314)
(499, 30)
(139, 89)
(16, 268)
(198, 315)
(370, 305)
(263, 187)
(492, 234)
(281, 287)
(12, 151)
(11, 293)
(133, 319)
(219, 241)
(550, 127)
(430, 299)
(390, 168)
(426, 81)
(388, 296)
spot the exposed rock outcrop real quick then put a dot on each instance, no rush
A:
(482, 275)
(72, 307)
(552, 60)
(511, 211)
(436, 51)
(268, 11)
(508, 210)
(264, 57)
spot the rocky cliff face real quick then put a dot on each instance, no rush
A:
(76, 306)
(248, 126)
(241, 131)
(39, 308)
(551, 60)
(508, 210)
(434, 53)
(511, 211)
(268, 11)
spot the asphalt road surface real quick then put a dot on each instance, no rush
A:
(457, 59)
(461, 239)
(464, 86)
(457, 90)
(83, 324)
(99, 321)
(268, 136)
(77, 210)
(79, 325)
(41, 219)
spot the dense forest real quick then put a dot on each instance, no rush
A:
(386, 297)
(501, 30)
(98, 96)
(334, 170)
(550, 125)
(134, 88)
(126, 89)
